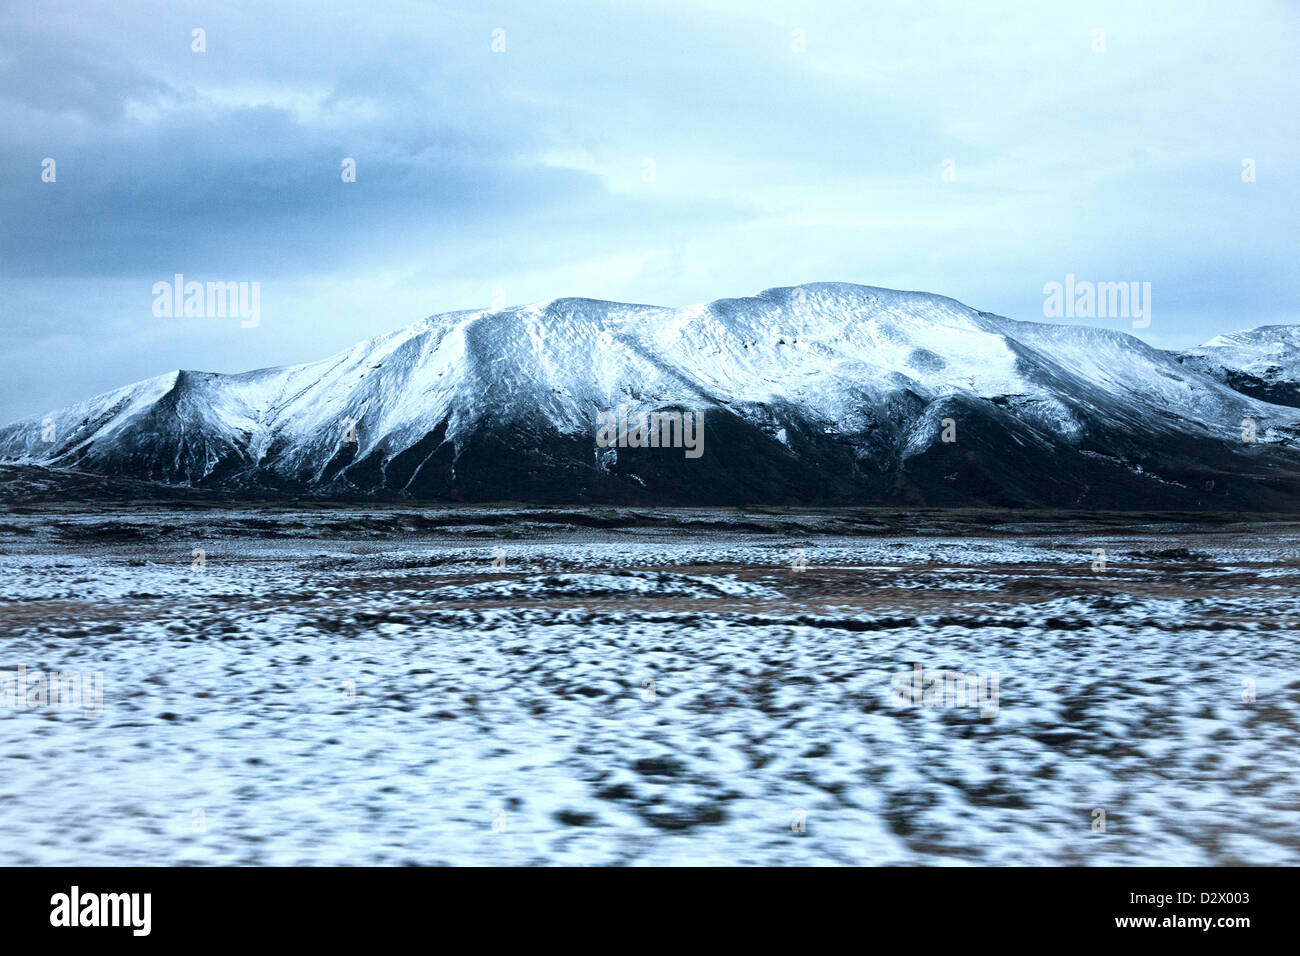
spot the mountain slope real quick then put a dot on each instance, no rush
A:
(1263, 362)
(821, 394)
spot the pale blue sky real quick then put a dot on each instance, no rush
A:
(523, 171)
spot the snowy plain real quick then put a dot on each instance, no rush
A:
(378, 687)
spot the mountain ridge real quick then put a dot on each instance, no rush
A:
(823, 393)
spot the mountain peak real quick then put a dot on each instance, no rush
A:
(815, 393)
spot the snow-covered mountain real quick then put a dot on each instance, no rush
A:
(1263, 362)
(826, 393)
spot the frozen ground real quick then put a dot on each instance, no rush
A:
(366, 687)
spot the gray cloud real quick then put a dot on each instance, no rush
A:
(524, 171)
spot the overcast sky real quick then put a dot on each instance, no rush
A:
(663, 152)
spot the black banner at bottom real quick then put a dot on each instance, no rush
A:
(336, 906)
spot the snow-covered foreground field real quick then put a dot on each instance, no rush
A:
(326, 688)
